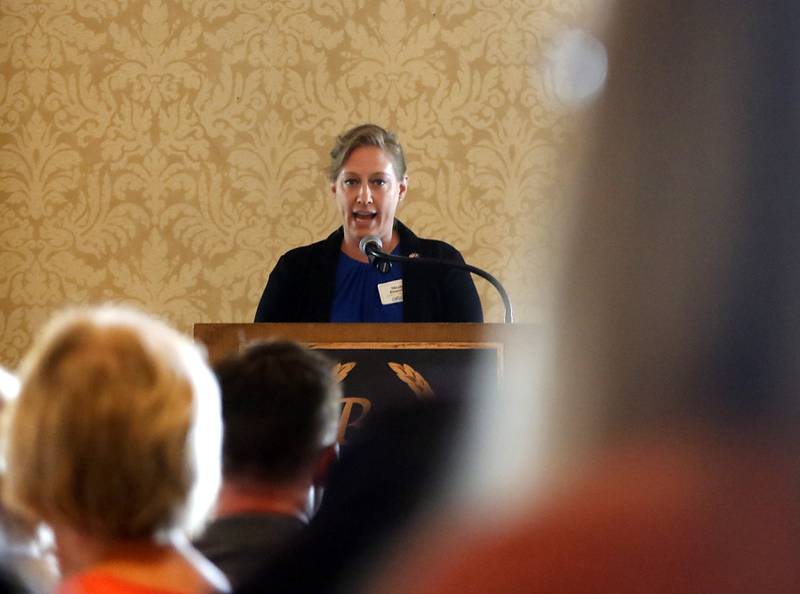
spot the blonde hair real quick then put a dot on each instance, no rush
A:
(366, 135)
(117, 428)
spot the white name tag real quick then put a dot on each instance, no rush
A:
(391, 292)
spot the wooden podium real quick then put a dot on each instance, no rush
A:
(381, 365)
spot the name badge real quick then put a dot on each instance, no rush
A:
(391, 292)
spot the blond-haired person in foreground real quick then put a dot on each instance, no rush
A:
(115, 443)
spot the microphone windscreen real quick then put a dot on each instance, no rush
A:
(373, 241)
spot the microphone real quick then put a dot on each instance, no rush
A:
(370, 246)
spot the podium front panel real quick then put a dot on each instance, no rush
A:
(385, 365)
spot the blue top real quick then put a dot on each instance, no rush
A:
(356, 297)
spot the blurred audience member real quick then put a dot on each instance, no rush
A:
(115, 441)
(23, 550)
(9, 385)
(675, 409)
(280, 406)
(24, 554)
(11, 583)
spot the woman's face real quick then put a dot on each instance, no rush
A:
(367, 192)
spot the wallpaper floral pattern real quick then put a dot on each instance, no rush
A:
(166, 152)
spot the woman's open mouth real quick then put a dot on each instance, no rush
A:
(364, 216)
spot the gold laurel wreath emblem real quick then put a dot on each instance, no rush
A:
(413, 379)
(342, 370)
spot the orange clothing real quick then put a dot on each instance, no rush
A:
(90, 582)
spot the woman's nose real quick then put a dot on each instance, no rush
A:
(364, 194)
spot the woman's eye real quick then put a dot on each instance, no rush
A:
(379, 182)
(350, 181)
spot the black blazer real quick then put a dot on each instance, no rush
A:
(301, 286)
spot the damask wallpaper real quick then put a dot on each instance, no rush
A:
(164, 153)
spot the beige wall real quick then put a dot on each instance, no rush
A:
(166, 152)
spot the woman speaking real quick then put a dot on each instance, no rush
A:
(332, 280)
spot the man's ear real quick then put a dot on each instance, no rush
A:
(325, 460)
